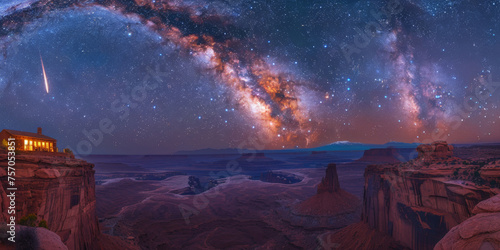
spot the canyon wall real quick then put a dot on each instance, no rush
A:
(419, 201)
(58, 189)
(482, 231)
(381, 155)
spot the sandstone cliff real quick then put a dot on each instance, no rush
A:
(482, 231)
(381, 155)
(418, 202)
(59, 190)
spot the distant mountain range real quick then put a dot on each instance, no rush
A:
(210, 151)
(350, 146)
(336, 146)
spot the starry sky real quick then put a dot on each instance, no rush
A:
(159, 76)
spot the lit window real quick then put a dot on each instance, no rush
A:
(25, 142)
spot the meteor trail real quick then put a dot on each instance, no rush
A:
(44, 76)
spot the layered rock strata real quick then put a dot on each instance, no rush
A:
(59, 190)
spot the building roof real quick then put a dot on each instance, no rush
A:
(35, 135)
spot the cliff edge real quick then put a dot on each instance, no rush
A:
(58, 190)
(417, 202)
(481, 231)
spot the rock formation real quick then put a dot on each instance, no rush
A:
(49, 240)
(59, 190)
(381, 155)
(31, 237)
(418, 202)
(359, 236)
(481, 231)
(330, 199)
(436, 150)
(329, 183)
(419, 206)
(279, 177)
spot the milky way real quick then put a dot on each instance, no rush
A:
(235, 69)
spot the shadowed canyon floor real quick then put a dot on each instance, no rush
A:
(311, 200)
(242, 211)
(288, 201)
(238, 213)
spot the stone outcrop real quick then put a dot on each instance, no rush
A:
(30, 237)
(59, 190)
(481, 231)
(416, 203)
(359, 236)
(329, 183)
(381, 155)
(49, 240)
(436, 150)
(330, 199)
(491, 205)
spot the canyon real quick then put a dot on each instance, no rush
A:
(415, 204)
(443, 198)
(59, 190)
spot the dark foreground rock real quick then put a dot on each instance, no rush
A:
(481, 231)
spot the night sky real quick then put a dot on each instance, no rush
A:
(170, 75)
